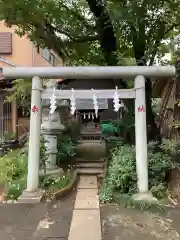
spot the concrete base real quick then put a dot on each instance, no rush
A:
(31, 197)
(145, 197)
(54, 171)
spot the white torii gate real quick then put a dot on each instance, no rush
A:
(32, 193)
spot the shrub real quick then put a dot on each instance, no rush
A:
(13, 165)
(15, 188)
(111, 143)
(9, 136)
(73, 129)
(171, 147)
(13, 173)
(54, 183)
(66, 149)
(123, 128)
(122, 176)
(67, 142)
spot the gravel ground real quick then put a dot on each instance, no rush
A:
(119, 223)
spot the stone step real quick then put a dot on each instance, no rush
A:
(83, 160)
(89, 171)
(89, 165)
(93, 141)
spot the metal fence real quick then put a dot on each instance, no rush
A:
(5, 116)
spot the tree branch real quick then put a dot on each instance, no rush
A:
(158, 42)
(79, 17)
(46, 33)
(78, 39)
(86, 39)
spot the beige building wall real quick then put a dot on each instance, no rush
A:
(24, 54)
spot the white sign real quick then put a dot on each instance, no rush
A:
(83, 104)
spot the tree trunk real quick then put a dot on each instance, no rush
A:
(175, 132)
(153, 132)
(107, 40)
(107, 37)
(105, 30)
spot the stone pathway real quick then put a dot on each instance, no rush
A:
(86, 223)
(57, 221)
(37, 221)
(19, 221)
(77, 217)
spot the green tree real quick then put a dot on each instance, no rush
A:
(21, 92)
(102, 32)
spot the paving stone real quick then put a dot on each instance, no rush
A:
(4, 235)
(25, 238)
(65, 206)
(58, 220)
(61, 238)
(87, 199)
(57, 229)
(87, 182)
(33, 216)
(20, 233)
(85, 225)
(19, 221)
(7, 228)
(11, 216)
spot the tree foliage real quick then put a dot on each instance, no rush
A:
(21, 92)
(144, 24)
(133, 28)
(51, 23)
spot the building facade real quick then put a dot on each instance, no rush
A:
(21, 52)
(16, 51)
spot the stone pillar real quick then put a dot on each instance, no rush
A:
(51, 146)
(141, 140)
(32, 193)
(51, 127)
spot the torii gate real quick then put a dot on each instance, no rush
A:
(32, 193)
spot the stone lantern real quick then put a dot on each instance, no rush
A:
(51, 127)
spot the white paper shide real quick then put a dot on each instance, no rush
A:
(116, 100)
(73, 102)
(53, 102)
(95, 103)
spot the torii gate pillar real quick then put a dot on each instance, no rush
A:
(141, 141)
(33, 193)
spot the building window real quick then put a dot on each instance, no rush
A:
(53, 60)
(46, 54)
(38, 49)
(5, 43)
(23, 112)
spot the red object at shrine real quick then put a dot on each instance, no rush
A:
(141, 108)
(35, 109)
